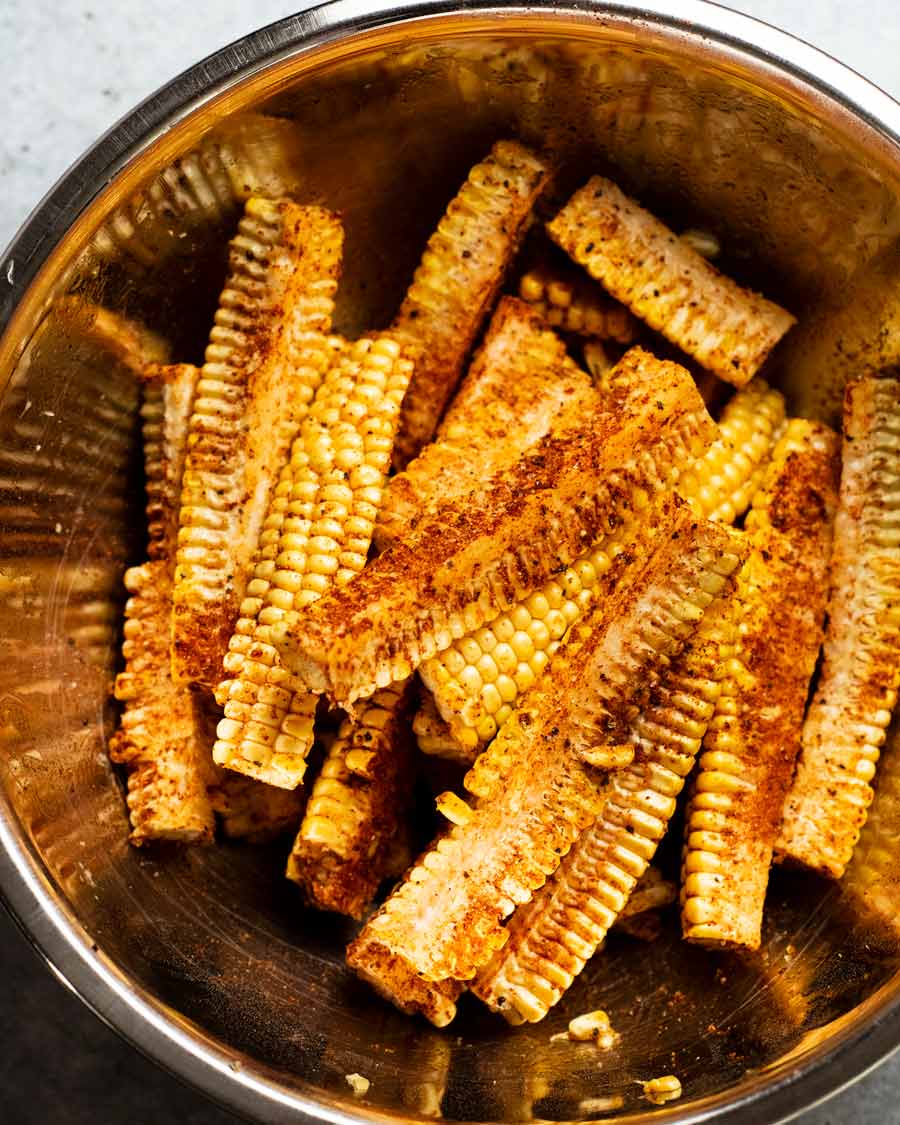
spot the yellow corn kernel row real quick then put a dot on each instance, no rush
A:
(159, 737)
(552, 938)
(664, 281)
(721, 483)
(316, 537)
(857, 690)
(520, 386)
(265, 359)
(478, 680)
(534, 792)
(165, 412)
(745, 770)
(357, 806)
(472, 559)
(200, 191)
(458, 279)
(576, 304)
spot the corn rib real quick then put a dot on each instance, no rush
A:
(316, 537)
(263, 364)
(457, 280)
(470, 560)
(666, 283)
(571, 302)
(159, 737)
(519, 387)
(434, 736)
(851, 710)
(751, 747)
(356, 807)
(551, 939)
(721, 483)
(534, 792)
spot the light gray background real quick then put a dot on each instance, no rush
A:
(70, 71)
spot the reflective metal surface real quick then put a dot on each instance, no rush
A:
(205, 959)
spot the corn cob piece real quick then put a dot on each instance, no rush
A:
(552, 938)
(751, 747)
(258, 155)
(434, 736)
(316, 536)
(871, 879)
(520, 385)
(159, 738)
(470, 560)
(457, 280)
(356, 807)
(477, 681)
(721, 483)
(571, 302)
(534, 791)
(665, 282)
(265, 359)
(850, 712)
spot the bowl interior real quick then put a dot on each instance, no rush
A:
(383, 126)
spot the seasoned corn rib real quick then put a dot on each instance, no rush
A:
(357, 806)
(640, 916)
(571, 302)
(751, 747)
(872, 880)
(457, 280)
(520, 385)
(263, 364)
(721, 483)
(470, 560)
(316, 537)
(159, 738)
(551, 939)
(845, 727)
(535, 791)
(478, 679)
(252, 811)
(665, 282)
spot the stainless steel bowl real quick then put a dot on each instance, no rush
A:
(205, 959)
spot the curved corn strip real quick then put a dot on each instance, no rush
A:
(535, 794)
(721, 483)
(573, 303)
(640, 915)
(470, 560)
(552, 938)
(665, 282)
(477, 681)
(754, 738)
(356, 807)
(459, 276)
(160, 738)
(263, 364)
(845, 727)
(249, 810)
(316, 536)
(520, 386)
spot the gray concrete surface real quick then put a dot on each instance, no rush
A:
(70, 71)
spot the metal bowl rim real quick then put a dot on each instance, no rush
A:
(42, 914)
